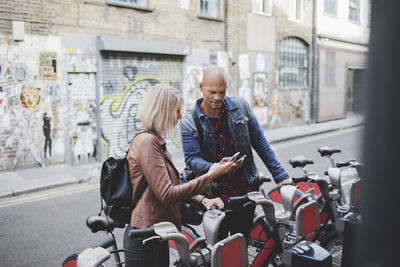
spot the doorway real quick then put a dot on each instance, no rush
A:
(355, 90)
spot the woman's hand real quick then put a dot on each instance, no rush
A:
(222, 167)
(208, 202)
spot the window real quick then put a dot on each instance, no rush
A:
(330, 68)
(296, 10)
(262, 6)
(354, 11)
(131, 3)
(293, 62)
(330, 7)
(209, 8)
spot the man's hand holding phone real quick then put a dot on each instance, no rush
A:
(238, 163)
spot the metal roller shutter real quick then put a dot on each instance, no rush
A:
(125, 79)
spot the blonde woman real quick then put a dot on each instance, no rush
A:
(150, 160)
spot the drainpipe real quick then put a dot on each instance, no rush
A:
(226, 25)
(314, 67)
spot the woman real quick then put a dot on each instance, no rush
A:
(149, 159)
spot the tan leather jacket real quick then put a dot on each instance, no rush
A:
(149, 159)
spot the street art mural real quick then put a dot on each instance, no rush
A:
(82, 116)
(121, 115)
(26, 102)
(26, 139)
(126, 77)
(288, 108)
(46, 132)
(192, 92)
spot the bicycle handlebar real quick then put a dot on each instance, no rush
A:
(238, 201)
(351, 163)
(301, 179)
(143, 233)
(342, 164)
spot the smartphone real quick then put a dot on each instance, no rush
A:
(240, 159)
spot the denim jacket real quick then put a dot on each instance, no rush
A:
(246, 133)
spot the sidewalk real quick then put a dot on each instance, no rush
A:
(18, 182)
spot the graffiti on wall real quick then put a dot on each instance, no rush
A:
(125, 79)
(192, 92)
(77, 60)
(260, 91)
(289, 107)
(47, 132)
(26, 102)
(82, 118)
(122, 113)
(25, 138)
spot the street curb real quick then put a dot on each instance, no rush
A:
(12, 193)
(74, 180)
(314, 133)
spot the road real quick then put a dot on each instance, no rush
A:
(43, 228)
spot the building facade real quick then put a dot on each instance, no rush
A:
(72, 73)
(342, 42)
(281, 33)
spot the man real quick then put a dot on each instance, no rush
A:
(229, 126)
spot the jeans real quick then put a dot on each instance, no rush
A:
(153, 253)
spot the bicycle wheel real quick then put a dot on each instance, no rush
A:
(334, 246)
(262, 247)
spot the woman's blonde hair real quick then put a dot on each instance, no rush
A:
(158, 109)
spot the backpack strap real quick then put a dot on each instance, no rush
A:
(143, 184)
(141, 131)
(198, 126)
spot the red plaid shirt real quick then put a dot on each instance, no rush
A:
(232, 184)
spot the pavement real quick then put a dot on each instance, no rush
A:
(24, 181)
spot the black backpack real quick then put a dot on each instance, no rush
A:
(116, 189)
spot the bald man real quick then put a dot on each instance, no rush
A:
(229, 126)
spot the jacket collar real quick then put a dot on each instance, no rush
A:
(227, 102)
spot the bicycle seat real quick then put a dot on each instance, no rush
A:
(328, 151)
(300, 161)
(100, 223)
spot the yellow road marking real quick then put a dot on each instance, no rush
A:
(48, 195)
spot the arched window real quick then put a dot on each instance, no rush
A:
(293, 62)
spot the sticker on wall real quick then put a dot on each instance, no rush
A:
(260, 83)
(30, 96)
(48, 66)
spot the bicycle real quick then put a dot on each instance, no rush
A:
(99, 223)
(274, 240)
(225, 253)
(310, 187)
(330, 196)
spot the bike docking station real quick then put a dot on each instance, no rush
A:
(297, 251)
(350, 225)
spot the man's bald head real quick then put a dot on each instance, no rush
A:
(214, 71)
